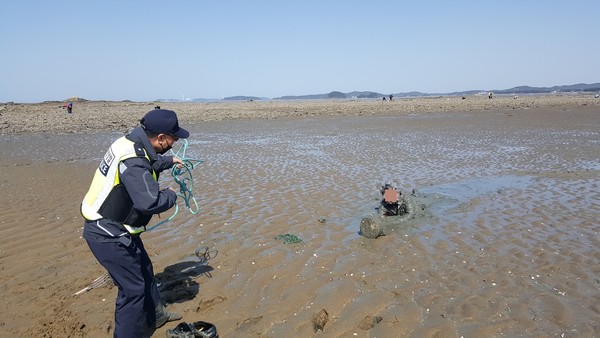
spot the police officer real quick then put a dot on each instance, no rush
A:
(123, 196)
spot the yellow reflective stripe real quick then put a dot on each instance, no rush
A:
(134, 230)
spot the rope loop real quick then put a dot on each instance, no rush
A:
(182, 175)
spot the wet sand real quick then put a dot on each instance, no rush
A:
(508, 247)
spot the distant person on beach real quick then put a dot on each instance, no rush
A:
(69, 107)
(123, 197)
(391, 97)
(384, 98)
(490, 95)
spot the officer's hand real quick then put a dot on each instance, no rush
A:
(177, 161)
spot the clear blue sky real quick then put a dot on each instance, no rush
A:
(146, 50)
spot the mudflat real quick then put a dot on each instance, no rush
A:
(507, 245)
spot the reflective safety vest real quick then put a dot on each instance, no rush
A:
(107, 197)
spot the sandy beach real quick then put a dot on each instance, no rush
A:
(96, 116)
(508, 246)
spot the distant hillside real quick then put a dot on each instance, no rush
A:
(242, 98)
(582, 87)
(333, 95)
(576, 88)
(302, 97)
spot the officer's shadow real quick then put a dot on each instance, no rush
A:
(178, 282)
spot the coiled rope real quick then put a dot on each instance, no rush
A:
(182, 175)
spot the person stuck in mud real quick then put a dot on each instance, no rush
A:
(390, 204)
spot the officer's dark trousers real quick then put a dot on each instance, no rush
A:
(131, 269)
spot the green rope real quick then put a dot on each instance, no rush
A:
(289, 238)
(182, 175)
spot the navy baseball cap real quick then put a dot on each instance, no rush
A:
(163, 121)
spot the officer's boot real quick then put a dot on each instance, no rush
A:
(163, 316)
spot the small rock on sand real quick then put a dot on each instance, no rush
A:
(368, 322)
(319, 320)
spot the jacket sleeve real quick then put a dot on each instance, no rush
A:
(144, 191)
(163, 163)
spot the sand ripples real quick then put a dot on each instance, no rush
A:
(509, 244)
